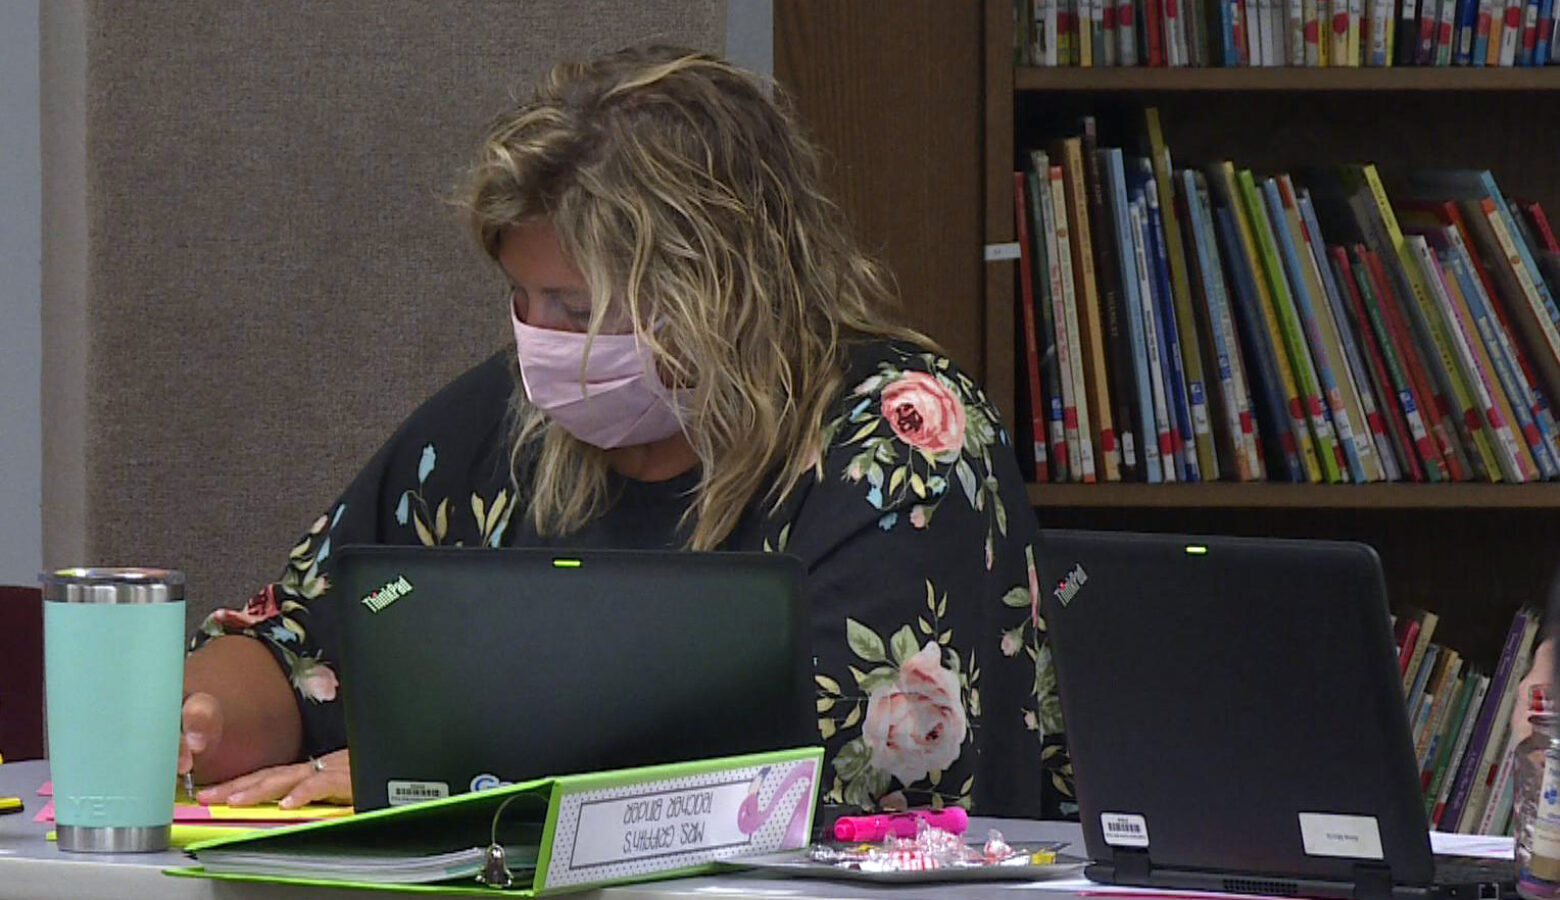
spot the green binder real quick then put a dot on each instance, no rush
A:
(567, 833)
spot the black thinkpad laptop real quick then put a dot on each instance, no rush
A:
(464, 669)
(1236, 718)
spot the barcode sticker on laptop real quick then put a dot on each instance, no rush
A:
(1124, 829)
(1349, 837)
(400, 793)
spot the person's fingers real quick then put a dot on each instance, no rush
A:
(200, 723)
(273, 784)
(331, 781)
(186, 756)
(331, 785)
(252, 787)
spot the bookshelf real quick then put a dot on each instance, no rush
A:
(1472, 552)
(1286, 79)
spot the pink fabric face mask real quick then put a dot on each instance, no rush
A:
(623, 402)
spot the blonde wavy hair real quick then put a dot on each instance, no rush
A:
(684, 193)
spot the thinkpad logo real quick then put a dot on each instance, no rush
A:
(388, 594)
(1067, 589)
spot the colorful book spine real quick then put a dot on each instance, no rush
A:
(1529, 417)
(1463, 785)
(1233, 384)
(1433, 773)
(1513, 386)
(1052, 343)
(1142, 377)
(1489, 762)
(1096, 385)
(1260, 311)
(1474, 230)
(1369, 431)
(1400, 442)
(1517, 422)
(1291, 333)
(1075, 397)
(1501, 422)
(1456, 362)
(1268, 392)
(1511, 32)
(1501, 793)
(1354, 439)
(1441, 687)
(1546, 28)
(1467, 27)
(1321, 358)
(1153, 338)
(1026, 277)
(1408, 395)
(1481, 32)
(1413, 294)
(1188, 399)
(1109, 46)
(1115, 340)
(1445, 33)
(1189, 347)
(1448, 775)
(1126, 34)
(1528, 44)
(1433, 406)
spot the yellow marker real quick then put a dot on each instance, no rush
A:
(10, 805)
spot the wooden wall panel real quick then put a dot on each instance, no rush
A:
(891, 90)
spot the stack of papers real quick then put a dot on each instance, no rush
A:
(390, 868)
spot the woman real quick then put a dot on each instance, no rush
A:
(660, 224)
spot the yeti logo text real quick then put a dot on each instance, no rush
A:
(1067, 590)
(388, 594)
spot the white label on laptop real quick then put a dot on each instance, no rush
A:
(1349, 837)
(1124, 829)
(400, 793)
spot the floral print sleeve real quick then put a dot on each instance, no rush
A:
(934, 683)
(441, 479)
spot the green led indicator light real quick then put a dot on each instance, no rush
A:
(1196, 550)
(566, 564)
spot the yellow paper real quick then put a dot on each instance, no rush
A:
(260, 812)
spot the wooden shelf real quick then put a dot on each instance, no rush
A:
(1298, 496)
(1287, 79)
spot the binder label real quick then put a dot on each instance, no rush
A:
(674, 823)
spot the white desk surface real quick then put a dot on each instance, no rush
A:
(32, 867)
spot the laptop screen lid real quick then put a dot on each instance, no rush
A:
(467, 668)
(1233, 705)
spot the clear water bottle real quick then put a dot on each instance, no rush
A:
(1536, 816)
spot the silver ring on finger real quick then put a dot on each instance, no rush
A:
(317, 763)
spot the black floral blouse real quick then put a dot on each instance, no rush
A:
(934, 679)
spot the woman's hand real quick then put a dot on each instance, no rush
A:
(328, 778)
(1541, 673)
(200, 728)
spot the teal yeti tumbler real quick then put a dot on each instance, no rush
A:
(114, 677)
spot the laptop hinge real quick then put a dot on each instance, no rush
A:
(1131, 864)
(1372, 881)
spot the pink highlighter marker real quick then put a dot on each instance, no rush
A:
(953, 820)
